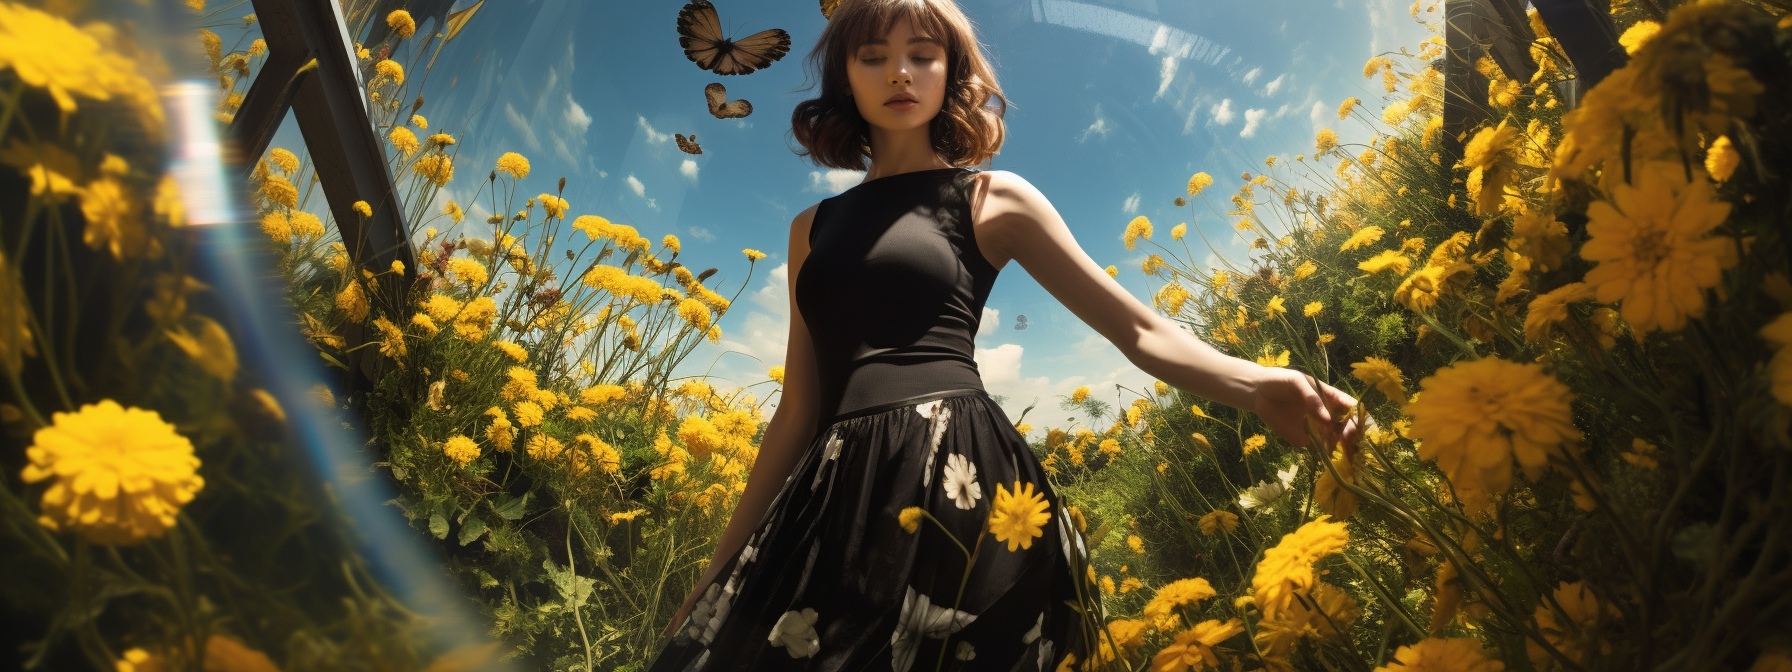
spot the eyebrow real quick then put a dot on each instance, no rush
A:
(920, 38)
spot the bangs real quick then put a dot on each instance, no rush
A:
(871, 21)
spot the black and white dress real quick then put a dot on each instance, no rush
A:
(892, 292)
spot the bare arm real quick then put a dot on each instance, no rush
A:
(1024, 226)
(790, 429)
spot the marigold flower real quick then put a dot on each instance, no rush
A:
(352, 301)
(528, 413)
(461, 449)
(1325, 141)
(1018, 516)
(1651, 247)
(1198, 182)
(389, 69)
(1192, 649)
(515, 351)
(469, 271)
(1313, 308)
(1382, 375)
(441, 139)
(910, 518)
(1452, 654)
(1305, 270)
(1551, 308)
(1346, 106)
(515, 164)
(306, 225)
(1079, 395)
(1218, 522)
(1476, 417)
(542, 446)
(1274, 308)
(121, 474)
(1160, 611)
(400, 22)
(439, 169)
(283, 159)
(1363, 236)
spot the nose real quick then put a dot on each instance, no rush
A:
(900, 76)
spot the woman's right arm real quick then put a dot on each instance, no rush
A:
(790, 430)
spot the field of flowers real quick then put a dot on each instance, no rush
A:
(1573, 344)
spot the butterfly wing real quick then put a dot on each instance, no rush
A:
(828, 7)
(700, 34)
(752, 52)
(687, 145)
(719, 105)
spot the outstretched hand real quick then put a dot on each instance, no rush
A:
(1286, 399)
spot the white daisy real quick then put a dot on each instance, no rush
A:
(1034, 633)
(921, 619)
(795, 631)
(833, 451)
(965, 651)
(1265, 492)
(961, 481)
(939, 413)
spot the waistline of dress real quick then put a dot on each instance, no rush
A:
(899, 403)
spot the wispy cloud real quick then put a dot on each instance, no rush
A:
(1098, 127)
(1274, 85)
(635, 185)
(700, 233)
(1252, 118)
(834, 180)
(1251, 76)
(1131, 204)
(653, 136)
(688, 169)
(1165, 75)
(1222, 113)
(523, 128)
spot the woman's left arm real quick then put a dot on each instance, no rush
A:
(1022, 225)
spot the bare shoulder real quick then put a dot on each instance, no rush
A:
(1009, 209)
(799, 230)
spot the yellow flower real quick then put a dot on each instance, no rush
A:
(461, 449)
(1080, 395)
(1779, 368)
(211, 349)
(1363, 236)
(515, 351)
(422, 321)
(307, 226)
(1721, 158)
(401, 22)
(1267, 359)
(1016, 517)
(48, 52)
(468, 270)
(277, 227)
(1539, 237)
(121, 474)
(403, 140)
(1489, 158)
(695, 313)
(1571, 635)
(1313, 308)
(1160, 611)
(542, 446)
(626, 516)
(1421, 290)
(528, 413)
(1288, 568)
(283, 159)
(352, 302)
(1551, 308)
(1346, 106)
(476, 319)
(752, 254)
(1651, 247)
(1193, 648)
(910, 519)
(776, 373)
(515, 164)
(1112, 271)
(1452, 654)
(1218, 522)
(389, 69)
(553, 206)
(1177, 231)
(1274, 308)
(439, 169)
(1324, 339)
(1387, 260)
(112, 220)
(1637, 34)
(391, 337)
(420, 121)
(1304, 270)
(1198, 182)
(1139, 226)
(1325, 141)
(1255, 443)
(600, 394)
(441, 139)
(1382, 375)
(1475, 417)
(1135, 543)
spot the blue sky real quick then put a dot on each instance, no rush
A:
(1115, 103)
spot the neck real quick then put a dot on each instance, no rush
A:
(904, 151)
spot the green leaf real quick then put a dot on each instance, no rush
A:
(511, 509)
(332, 360)
(574, 589)
(438, 525)
(471, 529)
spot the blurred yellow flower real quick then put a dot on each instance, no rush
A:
(1313, 308)
(1255, 443)
(461, 449)
(1652, 250)
(1637, 34)
(352, 302)
(910, 518)
(211, 348)
(1362, 236)
(777, 374)
(389, 69)
(553, 206)
(1218, 522)
(113, 220)
(1346, 106)
(1583, 613)
(1476, 417)
(1079, 395)
(752, 254)
(1112, 271)
(1721, 158)
(439, 169)
(121, 474)
(1454, 654)
(1551, 308)
(48, 52)
(1386, 260)
(1016, 517)
(1287, 568)
(1198, 182)
(1267, 359)
(1325, 141)
(1160, 611)
(469, 271)
(1382, 375)
(1489, 156)
(1305, 270)
(515, 351)
(363, 208)
(515, 164)
(1274, 308)
(626, 516)
(420, 122)
(1192, 649)
(401, 22)
(306, 225)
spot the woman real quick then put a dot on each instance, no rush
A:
(894, 518)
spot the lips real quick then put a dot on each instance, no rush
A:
(900, 98)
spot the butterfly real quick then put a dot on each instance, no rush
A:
(700, 33)
(1020, 322)
(687, 145)
(721, 107)
(828, 7)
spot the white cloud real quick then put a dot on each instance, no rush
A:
(1099, 127)
(1000, 365)
(653, 136)
(1252, 117)
(688, 169)
(1165, 76)
(834, 180)
(523, 128)
(1252, 75)
(636, 186)
(1222, 113)
(1274, 85)
(765, 334)
(575, 115)
(991, 320)
(701, 233)
(1131, 205)
(1317, 114)
(603, 173)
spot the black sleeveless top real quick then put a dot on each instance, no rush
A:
(893, 289)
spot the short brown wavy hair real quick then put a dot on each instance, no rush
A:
(966, 132)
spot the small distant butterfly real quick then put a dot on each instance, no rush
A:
(687, 145)
(1020, 322)
(705, 274)
(721, 107)
(828, 7)
(700, 33)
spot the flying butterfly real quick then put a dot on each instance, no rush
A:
(828, 7)
(705, 274)
(700, 33)
(721, 107)
(1020, 322)
(687, 145)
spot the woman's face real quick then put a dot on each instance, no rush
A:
(899, 82)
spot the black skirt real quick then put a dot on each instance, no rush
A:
(831, 580)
